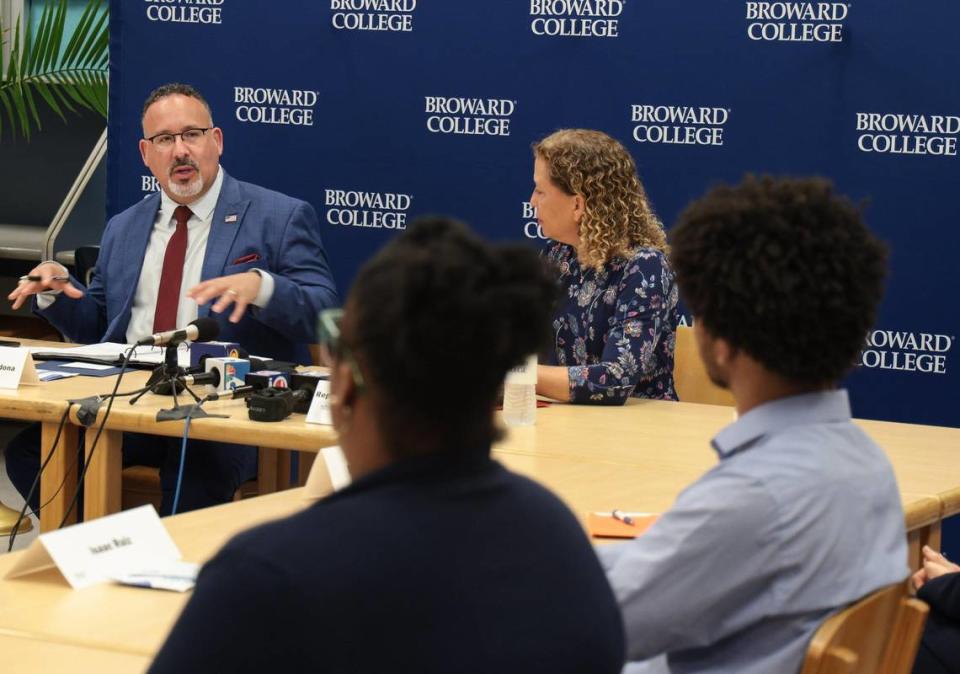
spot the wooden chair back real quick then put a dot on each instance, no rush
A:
(690, 376)
(879, 634)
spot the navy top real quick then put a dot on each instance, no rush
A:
(616, 329)
(939, 651)
(433, 564)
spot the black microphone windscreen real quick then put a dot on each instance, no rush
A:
(207, 329)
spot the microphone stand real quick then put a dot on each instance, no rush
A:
(167, 379)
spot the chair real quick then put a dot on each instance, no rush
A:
(85, 262)
(690, 376)
(141, 484)
(879, 634)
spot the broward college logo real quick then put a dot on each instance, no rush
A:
(288, 107)
(576, 18)
(469, 116)
(185, 11)
(378, 15)
(379, 210)
(908, 134)
(907, 351)
(678, 125)
(148, 185)
(531, 228)
(796, 21)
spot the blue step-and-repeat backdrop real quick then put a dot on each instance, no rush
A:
(376, 111)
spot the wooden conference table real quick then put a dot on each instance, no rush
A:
(47, 401)
(668, 444)
(635, 458)
(36, 656)
(133, 621)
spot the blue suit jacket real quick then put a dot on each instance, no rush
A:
(283, 231)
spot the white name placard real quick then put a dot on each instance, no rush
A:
(328, 474)
(16, 367)
(319, 412)
(95, 552)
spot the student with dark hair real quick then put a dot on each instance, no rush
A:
(435, 559)
(783, 279)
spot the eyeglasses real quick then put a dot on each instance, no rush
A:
(167, 140)
(331, 343)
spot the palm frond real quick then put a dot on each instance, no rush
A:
(42, 70)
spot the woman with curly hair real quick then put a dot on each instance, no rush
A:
(615, 327)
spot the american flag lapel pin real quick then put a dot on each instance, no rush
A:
(230, 218)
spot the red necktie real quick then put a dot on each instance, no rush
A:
(168, 297)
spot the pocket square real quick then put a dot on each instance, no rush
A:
(252, 257)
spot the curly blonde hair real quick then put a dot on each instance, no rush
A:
(617, 215)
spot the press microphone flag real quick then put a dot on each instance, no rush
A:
(200, 330)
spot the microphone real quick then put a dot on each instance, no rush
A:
(239, 392)
(211, 377)
(200, 330)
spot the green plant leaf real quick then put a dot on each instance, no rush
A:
(7, 106)
(14, 54)
(41, 71)
(81, 31)
(59, 22)
(45, 92)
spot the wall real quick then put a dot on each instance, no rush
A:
(393, 108)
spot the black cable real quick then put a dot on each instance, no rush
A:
(89, 458)
(69, 470)
(36, 480)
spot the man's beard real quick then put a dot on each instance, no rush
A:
(192, 188)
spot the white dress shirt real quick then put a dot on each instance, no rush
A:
(198, 231)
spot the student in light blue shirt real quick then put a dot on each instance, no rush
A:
(801, 515)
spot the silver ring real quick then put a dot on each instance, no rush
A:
(233, 292)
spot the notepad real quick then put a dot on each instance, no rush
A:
(604, 525)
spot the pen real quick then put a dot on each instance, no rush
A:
(618, 515)
(35, 278)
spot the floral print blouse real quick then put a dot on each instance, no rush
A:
(615, 330)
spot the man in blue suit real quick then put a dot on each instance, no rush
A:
(209, 245)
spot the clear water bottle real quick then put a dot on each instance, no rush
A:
(520, 394)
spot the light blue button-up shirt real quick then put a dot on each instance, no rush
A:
(801, 516)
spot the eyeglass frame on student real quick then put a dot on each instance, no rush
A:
(173, 137)
(331, 341)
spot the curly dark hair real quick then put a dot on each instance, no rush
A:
(784, 269)
(169, 90)
(436, 319)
